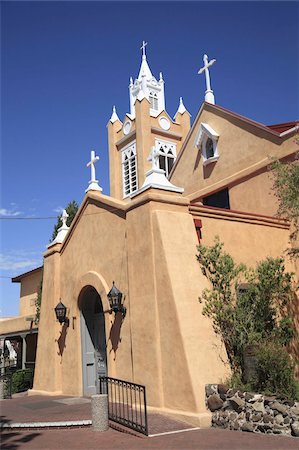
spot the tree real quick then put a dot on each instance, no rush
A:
(71, 209)
(247, 306)
(286, 190)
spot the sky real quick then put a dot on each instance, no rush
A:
(65, 64)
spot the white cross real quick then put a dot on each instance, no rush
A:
(144, 44)
(209, 93)
(93, 183)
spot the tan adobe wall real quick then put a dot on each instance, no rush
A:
(244, 151)
(29, 289)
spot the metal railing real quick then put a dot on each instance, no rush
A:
(126, 403)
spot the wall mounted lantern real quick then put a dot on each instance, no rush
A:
(60, 311)
(115, 301)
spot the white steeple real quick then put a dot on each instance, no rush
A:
(209, 96)
(114, 117)
(146, 85)
(181, 108)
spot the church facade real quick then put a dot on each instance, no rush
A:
(172, 185)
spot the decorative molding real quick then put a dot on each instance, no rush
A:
(169, 134)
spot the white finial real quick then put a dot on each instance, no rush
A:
(64, 217)
(154, 158)
(131, 81)
(161, 77)
(93, 183)
(62, 231)
(209, 95)
(114, 117)
(144, 44)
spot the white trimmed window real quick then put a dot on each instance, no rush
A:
(153, 98)
(207, 141)
(129, 169)
(167, 155)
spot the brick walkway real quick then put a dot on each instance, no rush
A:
(46, 409)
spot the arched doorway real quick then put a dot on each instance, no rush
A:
(93, 340)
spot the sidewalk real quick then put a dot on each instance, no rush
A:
(178, 434)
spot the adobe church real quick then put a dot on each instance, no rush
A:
(172, 185)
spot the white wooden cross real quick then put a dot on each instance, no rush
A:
(144, 44)
(209, 97)
(93, 183)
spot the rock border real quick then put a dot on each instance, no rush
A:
(246, 411)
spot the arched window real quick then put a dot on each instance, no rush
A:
(129, 170)
(209, 148)
(167, 155)
(153, 98)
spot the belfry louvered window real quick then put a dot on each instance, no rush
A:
(153, 98)
(129, 170)
(167, 155)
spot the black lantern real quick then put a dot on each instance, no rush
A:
(60, 312)
(115, 300)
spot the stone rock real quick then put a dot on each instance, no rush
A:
(222, 388)
(247, 426)
(286, 420)
(256, 398)
(224, 414)
(295, 428)
(231, 392)
(248, 415)
(211, 389)
(237, 403)
(214, 402)
(268, 399)
(258, 406)
(279, 419)
(248, 396)
(289, 402)
(267, 418)
(279, 407)
(233, 415)
(264, 428)
(225, 404)
(295, 410)
(235, 425)
(256, 417)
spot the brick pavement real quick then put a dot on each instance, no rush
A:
(45, 409)
(87, 439)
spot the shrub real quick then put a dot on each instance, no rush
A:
(22, 380)
(274, 371)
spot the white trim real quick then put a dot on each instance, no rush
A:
(174, 432)
(205, 133)
(130, 172)
(166, 146)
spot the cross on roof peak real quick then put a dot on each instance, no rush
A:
(144, 44)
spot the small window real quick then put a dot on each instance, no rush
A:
(129, 170)
(153, 98)
(218, 200)
(167, 155)
(209, 148)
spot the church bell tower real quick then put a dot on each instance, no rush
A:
(147, 125)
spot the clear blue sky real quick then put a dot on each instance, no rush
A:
(65, 64)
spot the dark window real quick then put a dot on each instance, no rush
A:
(219, 199)
(209, 148)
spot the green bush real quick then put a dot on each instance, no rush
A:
(275, 372)
(22, 380)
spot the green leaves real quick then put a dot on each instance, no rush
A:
(246, 305)
(286, 190)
